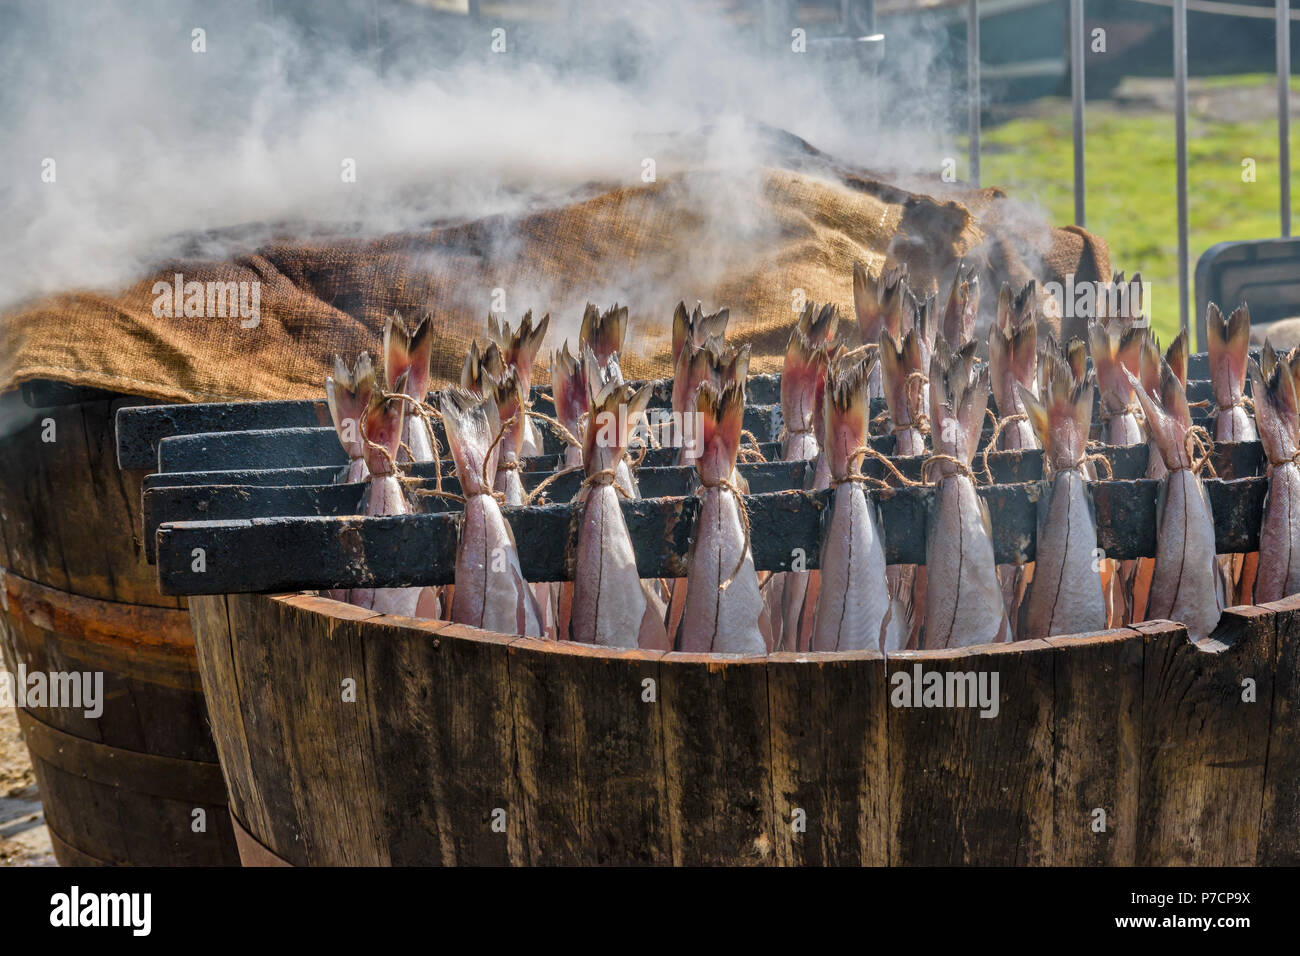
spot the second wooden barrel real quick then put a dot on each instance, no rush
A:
(137, 783)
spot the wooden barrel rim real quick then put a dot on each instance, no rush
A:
(317, 604)
(172, 778)
(158, 629)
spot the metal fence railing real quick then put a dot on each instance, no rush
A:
(1078, 49)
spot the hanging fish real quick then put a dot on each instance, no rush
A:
(408, 352)
(347, 392)
(612, 606)
(853, 608)
(1229, 348)
(902, 371)
(519, 351)
(481, 369)
(603, 333)
(1187, 585)
(723, 602)
(490, 590)
(569, 389)
(381, 432)
(1013, 363)
(963, 306)
(1277, 415)
(1116, 356)
(963, 601)
(1066, 596)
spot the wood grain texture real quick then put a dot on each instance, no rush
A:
(1096, 733)
(589, 739)
(462, 724)
(1279, 837)
(970, 789)
(829, 757)
(1203, 747)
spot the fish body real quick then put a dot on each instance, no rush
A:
(964, 604)
(1187, 584)
(1277, 415)
(408, 351)
(382, 431)
(1229, 344)
(347, 392)
(490, 588)
(1066, 596)
(723, 603)
(611, 606)
(853, 605)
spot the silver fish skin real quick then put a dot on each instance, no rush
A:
(853, 608)
(1186, 586)
(609, 605)
(963, 600)
(715, 620)
(1279, 536)
(795, 626)
(1066, 596)
(964, 604)
(1234, 424)
(1278, 419)
(491, 592)
(1123, 429)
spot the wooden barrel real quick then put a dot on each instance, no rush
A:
(138, 783)
(350, 737)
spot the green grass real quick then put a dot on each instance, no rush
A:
(1131, 178)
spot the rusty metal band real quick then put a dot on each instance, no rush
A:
(173, 778)
(91, 619)
(252, 851)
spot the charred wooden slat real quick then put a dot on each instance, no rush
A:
(1279, 837)
(308, 446)
(268, 554)
(140, 428)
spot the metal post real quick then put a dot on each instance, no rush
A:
(1180, 135)
(1284, 112)
(1078, 44)
(973, 86)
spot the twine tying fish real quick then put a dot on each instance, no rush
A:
(744, 526)
(1199, 448)
(749, 454)
(565, 435)
(1096, 457)
(961, 466)
(499, 496)
(1132, 408)
(920, 420)
(428, 414)
(998, 425)
(861, 452)
(606, 476)
(536, 493)
(866, 451)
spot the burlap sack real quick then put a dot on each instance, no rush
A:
(759, 242)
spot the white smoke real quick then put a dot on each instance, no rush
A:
(154, 146)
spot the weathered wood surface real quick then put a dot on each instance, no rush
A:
(590, 755)
(1279, 839)
(281, 554)
(141, 427)
(1203, 745)
(1096, 717)
(69, 519)
(225, 501)
(120, 786)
